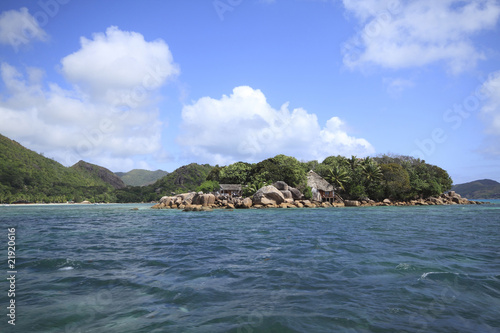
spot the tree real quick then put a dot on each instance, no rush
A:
(236, 173)
(396, 181)
(250, 189)
(280, 167)
(214, 174)
(337, 176)
(208, 186)
(371, 170)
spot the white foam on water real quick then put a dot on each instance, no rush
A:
(68, 268)
(425, 275)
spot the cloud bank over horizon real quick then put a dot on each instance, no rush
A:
(109, 114)
(244, 127)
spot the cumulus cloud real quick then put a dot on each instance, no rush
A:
(116, 64)
(19, 27)
(83, 122)
(243, 126)
(401, 34)
(490, 112)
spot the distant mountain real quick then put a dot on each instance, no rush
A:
(140, 177)
(479, 189)
(184, 179)
(98, 172)
(26, 176)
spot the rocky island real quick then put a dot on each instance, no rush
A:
(280, 195)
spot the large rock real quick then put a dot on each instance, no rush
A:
(203, 199)
(187, 198)
(268, 195)
(352, 203)
(287, 194)
(281, 185)
(247, 203)
(166, 200)
(296, 194)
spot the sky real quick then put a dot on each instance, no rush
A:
(160, 84)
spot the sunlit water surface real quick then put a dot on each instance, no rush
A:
(108, 268)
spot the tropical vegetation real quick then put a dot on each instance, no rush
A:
(26, 176)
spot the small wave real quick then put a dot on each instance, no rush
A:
(405, 267)
(68, 268)
(437, 275)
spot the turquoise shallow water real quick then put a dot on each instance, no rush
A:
(107, 268)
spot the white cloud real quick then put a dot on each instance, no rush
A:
(243, 126)
(119, 66)
(19, 27)
(400, 34)
(83, 123)
(490, 112)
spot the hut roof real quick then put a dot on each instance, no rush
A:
(316, 181)
(230, 187)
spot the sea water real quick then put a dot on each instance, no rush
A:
(109, 268)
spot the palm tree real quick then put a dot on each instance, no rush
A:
(251, 189)
(353, 162)
(371, 170)
(338, 176)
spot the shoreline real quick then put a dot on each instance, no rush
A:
(205, 202)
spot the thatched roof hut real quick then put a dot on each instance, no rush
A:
(230, 189)
(321, 189)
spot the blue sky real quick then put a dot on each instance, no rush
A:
(160, 84)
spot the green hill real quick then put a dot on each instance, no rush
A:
(184, 179)
(26, 176)
(479, 189)
(141, 177)
(97, 172)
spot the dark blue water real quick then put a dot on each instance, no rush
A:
(108, 268)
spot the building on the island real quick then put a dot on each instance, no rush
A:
(321, 189)
(230, 190)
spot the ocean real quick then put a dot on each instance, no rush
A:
(109, 268)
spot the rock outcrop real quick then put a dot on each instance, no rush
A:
(296, 194)
(203, 199)
(268, 195)
(352, 203)
(271, 197)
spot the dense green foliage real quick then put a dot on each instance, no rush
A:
(26, 176)
(394, 177)
(251, 188)
(236, 173)
(140, 177)
(479, 189)
(208, 186)
(184, 179)
(280, 167)
(93, 171)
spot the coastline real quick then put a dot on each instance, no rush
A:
(205, 202)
